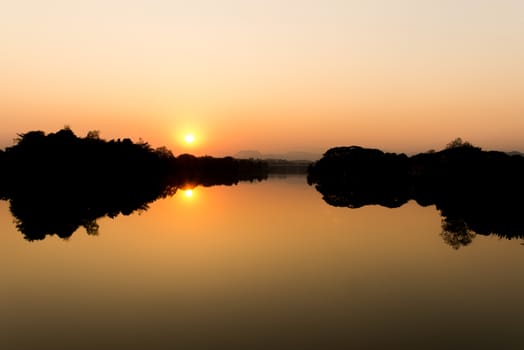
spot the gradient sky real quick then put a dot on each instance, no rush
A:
(276, 76)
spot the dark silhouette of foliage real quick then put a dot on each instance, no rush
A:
(476, 191)
(456, 233)
(282, 166)
(356, 176)
(458, 142)
(58, 182)
(208, 171)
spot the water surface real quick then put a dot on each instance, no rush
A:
(266, 265)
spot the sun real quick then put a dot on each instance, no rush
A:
(188, 193)
(189, 138)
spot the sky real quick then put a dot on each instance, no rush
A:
(274, 76)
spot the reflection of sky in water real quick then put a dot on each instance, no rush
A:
(267, 263)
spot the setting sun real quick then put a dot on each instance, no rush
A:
(189, 138)
(188, 193)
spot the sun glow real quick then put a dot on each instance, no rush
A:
(188, 193)
(189, 138)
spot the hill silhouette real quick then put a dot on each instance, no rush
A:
(58, 182)
(476, 191)
(290, 156)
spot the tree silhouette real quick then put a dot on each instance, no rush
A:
(458, 142)
(58, 182)
(476, 191)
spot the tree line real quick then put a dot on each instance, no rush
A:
(476, 191)
(57, 182)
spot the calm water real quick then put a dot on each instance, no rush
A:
(264, 265)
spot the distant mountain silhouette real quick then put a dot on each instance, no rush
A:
(58, 182)
(476, 191)
(291, 156)
(515, 153)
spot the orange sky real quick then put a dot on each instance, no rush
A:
(275, 76)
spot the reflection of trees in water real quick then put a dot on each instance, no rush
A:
(58, 182)
(477, 192)
(456, 233)
(62, 215)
